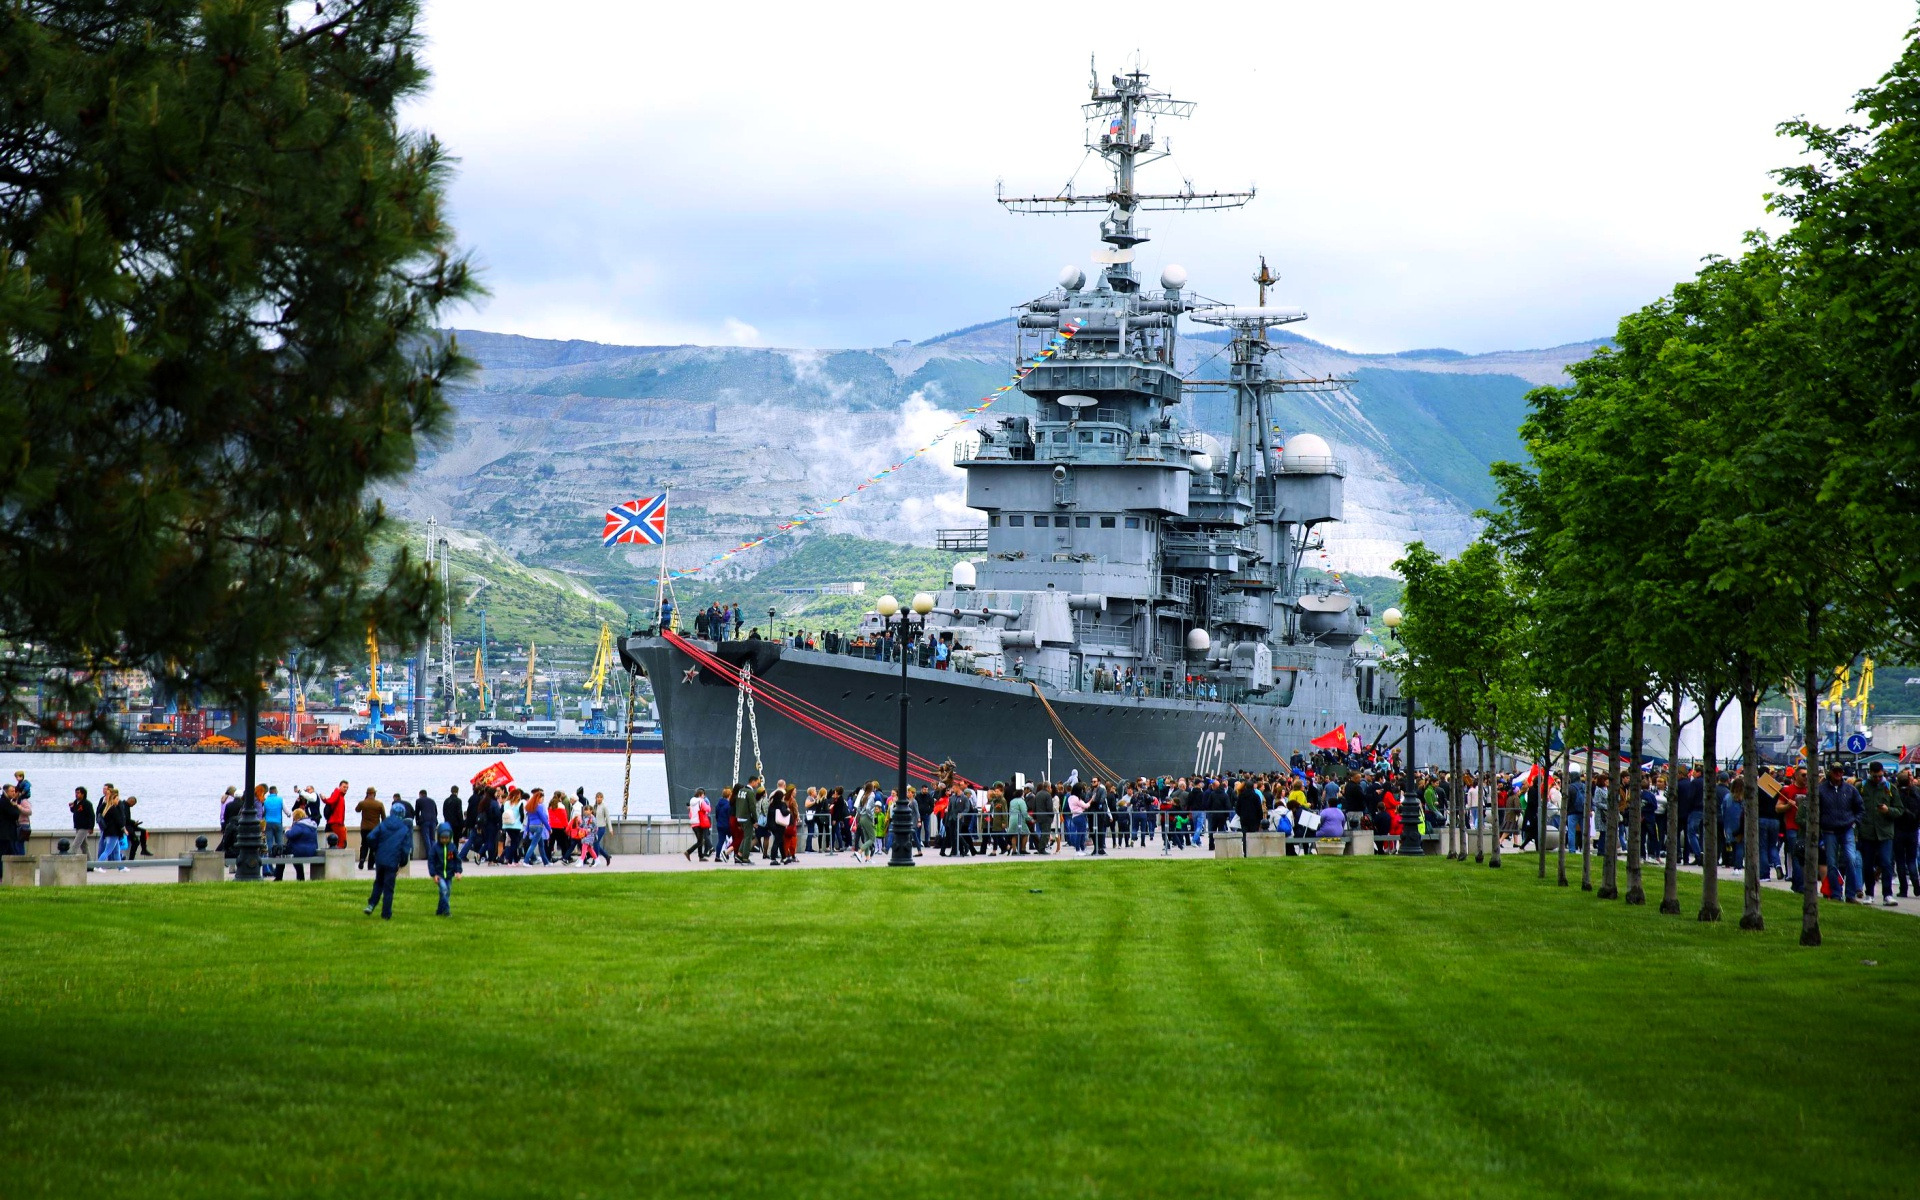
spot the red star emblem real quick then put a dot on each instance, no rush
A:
(690, 674)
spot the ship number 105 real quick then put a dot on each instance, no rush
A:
(1210, 757)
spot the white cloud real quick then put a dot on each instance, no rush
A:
(1481, 175)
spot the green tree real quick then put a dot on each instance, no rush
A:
(1433, 663)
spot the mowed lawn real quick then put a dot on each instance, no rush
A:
(1317, 1027)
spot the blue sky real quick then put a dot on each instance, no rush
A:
(1479, 176)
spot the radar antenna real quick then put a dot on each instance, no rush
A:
(1121, 128)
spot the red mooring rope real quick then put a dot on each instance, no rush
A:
(827, 724)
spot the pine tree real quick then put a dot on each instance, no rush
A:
(221, 258)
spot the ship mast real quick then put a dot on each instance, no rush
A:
(1121, 129)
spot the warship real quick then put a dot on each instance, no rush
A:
(1135, 601)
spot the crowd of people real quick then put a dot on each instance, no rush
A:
(1869, 830)
(1322, 797)
(1869, 823)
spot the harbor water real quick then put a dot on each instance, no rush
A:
(182, 791)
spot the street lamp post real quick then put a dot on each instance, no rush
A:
(900, 824)
(1410, 791)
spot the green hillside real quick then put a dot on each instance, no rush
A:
(521, 603)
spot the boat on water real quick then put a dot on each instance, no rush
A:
(1135, 602)
(571, 736)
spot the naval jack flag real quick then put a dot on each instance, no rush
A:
(641, 522)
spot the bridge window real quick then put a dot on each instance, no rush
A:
(1133, 522)
(1059, 435)
(1106, 438)
(1083, 522)
(1016, 520)
(993, 520)
(1086, 435)
(1106, 522)
(1040, 521)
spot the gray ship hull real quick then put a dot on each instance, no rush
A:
(990, 728)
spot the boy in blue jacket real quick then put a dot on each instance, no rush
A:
(443, 863)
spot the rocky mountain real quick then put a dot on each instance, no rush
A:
(548, 434)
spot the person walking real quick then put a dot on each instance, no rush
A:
(273, 821)
(426, 819)
(334, 815)
(391, 844)
(1881, 811)
(722, 824)
(113, 826)
(450, 813)
(372, 812)
(10, 821)
(746, 818)
(559, 827)
(602, 823)
(443, 863)
(1017, 823)
(537, 830)
(1840, 811)
(513, 824)
(1906, 834)
(701, 814)
(82, 810)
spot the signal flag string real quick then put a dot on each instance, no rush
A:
(1052, 348)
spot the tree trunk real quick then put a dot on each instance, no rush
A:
(1566, 763)
(1610, 825)
(1750, 917)
(1586, 818)
(1670, 891)
(1480, 798)
(1710, 806)
(1457, 843)
(1636, 810)
(1810, 810)
(1499, 819)
(1540, 806)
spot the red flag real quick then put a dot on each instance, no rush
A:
(495, 776)
(1333, 739)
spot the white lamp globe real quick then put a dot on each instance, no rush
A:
(887, 606)
(922, 603)
(1392, 617)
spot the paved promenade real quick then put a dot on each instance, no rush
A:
(1513, 860)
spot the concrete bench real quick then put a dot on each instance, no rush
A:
(317, 862)
(19, 870)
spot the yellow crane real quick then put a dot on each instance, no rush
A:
(531, 651)
(602, 662)
(373, 676)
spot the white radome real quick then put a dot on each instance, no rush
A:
(1198, 641)
(1201, 462)
(1306, 452)
(963, 575)
(1072, 278)
(1173, 277)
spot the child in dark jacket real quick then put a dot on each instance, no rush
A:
(443, 863)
